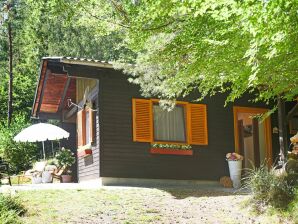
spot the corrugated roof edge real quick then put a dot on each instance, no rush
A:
(81, 61)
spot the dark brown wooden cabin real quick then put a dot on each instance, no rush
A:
(113, 128)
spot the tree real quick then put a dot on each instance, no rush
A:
(213, 46)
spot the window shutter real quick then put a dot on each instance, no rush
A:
(197, 124)
(142, 120)
(91, 125)
(81, 128)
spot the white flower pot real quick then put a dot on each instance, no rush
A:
(235, 168)
(36, 180)
(46, 177)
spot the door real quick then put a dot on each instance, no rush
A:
(252, 137)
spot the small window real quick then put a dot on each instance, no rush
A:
(169, 126)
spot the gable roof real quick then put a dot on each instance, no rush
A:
(54, 84)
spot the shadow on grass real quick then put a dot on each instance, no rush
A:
(178, 193)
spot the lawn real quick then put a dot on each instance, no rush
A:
(138, 205)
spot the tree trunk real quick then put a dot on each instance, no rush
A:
(282, 129)
(10, 84)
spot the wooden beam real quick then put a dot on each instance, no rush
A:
(292, 112)
(47, 116)
(84, 71)
(69, 114)
(64, 94)
(42, 90)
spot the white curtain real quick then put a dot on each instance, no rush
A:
(169, 126)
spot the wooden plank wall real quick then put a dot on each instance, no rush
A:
(121, 157)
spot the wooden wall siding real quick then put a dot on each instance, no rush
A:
(121, 157)
(88, 167)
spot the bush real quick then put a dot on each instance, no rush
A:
(65, 158)
(270, 188)
(20, 156)
(10, 210)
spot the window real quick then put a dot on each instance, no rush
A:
(187, 123)
(169, 126)
(85, 127)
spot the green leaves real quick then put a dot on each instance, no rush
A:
(214, 46)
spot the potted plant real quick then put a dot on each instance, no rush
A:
(235, 167)
(65, 159)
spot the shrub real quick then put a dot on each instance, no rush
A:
(20, 156)
(65, 158)
(10, 209)
(269, 188)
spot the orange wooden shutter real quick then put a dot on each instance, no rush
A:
(142, 120)
(197, 124)
(81, 128)
(91, 126)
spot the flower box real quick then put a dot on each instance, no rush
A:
(166, 151)
(84, 152)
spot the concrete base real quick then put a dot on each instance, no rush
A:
(139, 182)
(93, 182)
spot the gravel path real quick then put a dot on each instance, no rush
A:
(141, 205)
(180, 206)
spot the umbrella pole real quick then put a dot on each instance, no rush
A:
(44, 153)
(53, 150)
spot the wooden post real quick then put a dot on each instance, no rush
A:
(282, 130)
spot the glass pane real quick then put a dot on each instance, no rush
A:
(169, 126)
(252, 140)
(87, 128)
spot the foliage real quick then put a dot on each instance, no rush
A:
(20, 156)
(51, 28)
(10, 209)
(171, 146)
(65, 158)
(294, 206)
(212, 46)
(269, 188)
(52, 161)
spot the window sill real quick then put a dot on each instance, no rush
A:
(171, 152)
(84, 152)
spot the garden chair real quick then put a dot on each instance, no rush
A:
(38, 167)
(57, 175)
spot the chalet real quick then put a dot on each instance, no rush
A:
(118, 134)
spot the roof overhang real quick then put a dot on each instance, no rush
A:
(55, 84)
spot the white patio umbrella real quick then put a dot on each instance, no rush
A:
(40, 133)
